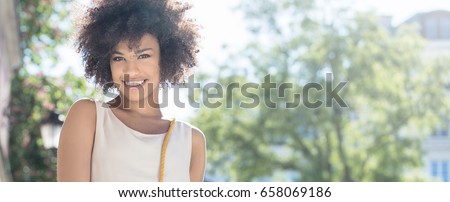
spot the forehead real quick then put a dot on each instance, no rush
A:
(147, 41)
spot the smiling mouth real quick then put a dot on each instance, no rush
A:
(135, 84)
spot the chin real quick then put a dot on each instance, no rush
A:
(128, 99)
(137, 97)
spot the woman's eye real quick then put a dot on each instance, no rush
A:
(144, 56)
(118, 59)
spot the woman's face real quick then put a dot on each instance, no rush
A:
(137, 72)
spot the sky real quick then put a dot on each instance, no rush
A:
(222, 25)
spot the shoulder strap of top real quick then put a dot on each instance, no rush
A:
(163, 150)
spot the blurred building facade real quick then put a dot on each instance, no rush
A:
(435, 27)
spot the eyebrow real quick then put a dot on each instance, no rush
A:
(138, 51)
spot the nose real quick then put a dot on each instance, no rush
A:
(131, 68)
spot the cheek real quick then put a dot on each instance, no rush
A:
(115, 74)
(152, 69)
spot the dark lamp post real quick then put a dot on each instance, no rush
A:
(50, 130)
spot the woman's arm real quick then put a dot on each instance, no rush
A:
(198, 156)
(76, 141)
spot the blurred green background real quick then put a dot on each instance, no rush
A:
(395, 128)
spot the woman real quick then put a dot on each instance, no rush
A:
(132, 46)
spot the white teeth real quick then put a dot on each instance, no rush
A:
(134, 83)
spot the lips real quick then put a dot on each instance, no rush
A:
(134, 83)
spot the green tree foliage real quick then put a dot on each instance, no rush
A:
(34, 97)
(394, 96)
(44, 25)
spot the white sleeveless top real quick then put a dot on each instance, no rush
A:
(121, 154)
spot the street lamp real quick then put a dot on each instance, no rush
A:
(50, 130)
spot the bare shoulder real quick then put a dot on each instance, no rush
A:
(197, 135)
(81, 117)
(81, 113)
(76, 141)
(83, 105)
(198, 156)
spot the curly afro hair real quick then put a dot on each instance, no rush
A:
(109, 22)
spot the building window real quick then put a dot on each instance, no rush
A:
(434, 169)
(445, 171)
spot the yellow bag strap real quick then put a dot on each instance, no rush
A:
(163, 151)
